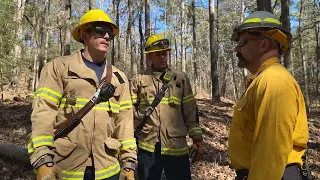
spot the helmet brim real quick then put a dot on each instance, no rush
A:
(166, 49)
(76, 31)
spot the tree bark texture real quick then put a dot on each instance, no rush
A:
(285, 20)
(214, 70)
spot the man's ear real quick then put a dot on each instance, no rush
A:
(84, 36)
(265, 45)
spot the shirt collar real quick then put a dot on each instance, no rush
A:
(264, 66)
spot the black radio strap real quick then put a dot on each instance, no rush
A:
(166, 79)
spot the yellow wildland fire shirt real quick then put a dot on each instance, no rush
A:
(173, 119)
(269, 128)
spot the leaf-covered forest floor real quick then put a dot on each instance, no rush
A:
(214, 118)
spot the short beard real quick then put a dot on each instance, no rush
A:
(242, 61)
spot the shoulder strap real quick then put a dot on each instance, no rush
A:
(120, 79)
(108, 77)
(167, 76)
(71, 123)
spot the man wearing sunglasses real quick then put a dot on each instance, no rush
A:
(269, 130)
(162, 140)
(103, 142)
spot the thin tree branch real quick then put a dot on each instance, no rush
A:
(274, 6)
(30, 22)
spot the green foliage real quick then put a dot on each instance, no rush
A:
(7, 39)
(165, 17)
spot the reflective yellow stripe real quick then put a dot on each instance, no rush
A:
(195, 130)
(40, 141)
(165, 151)
(81, 102)
(101, 174)
(188, 98)
(146, 146)
(164, 100)
(175, 99)
(30, 147)
(129, 143)
(174, 152)
(125, 104)
(134, 99)
(257, 20)
(49, 94)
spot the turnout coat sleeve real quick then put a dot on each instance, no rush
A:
(124, 127)
(189, 109)
(45, 109)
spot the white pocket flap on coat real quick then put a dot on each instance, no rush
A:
(177, 132)
(112, 144)
(64, 146)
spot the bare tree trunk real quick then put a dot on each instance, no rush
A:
(20, 5)
(176, 53)
(194, 46)
(317, 29)
(223, 80)
(147, 19)
(142, 57)
(132, 38)
(118, 37)
(286, 24)
(317, 32)
(264, 5)
(91, 4)
(64, 26)
(115, 54)
(166, 12)
(47, 34)
(245, 72)
(235, 89)
(219, 63)
(214, 71)
(35, 42)
(43, 37)
(182, 20)
(302, 57)
(67, 25)
(36, 73)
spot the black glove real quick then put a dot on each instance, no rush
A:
(107, 92)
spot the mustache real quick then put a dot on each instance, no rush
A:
(239, 55)
(242, 60)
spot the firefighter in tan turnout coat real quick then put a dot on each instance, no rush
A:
(162, 141)
(105, 134)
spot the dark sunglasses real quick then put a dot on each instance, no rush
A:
(244, 41)
(101, 32)
(157, 45)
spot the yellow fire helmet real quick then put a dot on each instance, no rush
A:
(265, 23)
(93, 16)
(156, 42)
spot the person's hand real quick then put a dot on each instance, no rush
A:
(127, 171)
(196, 151)
(49, 171)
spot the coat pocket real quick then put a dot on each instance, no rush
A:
(175, 132)
(239, 119)
(112, 146)
(64, 147)
(64, 114)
